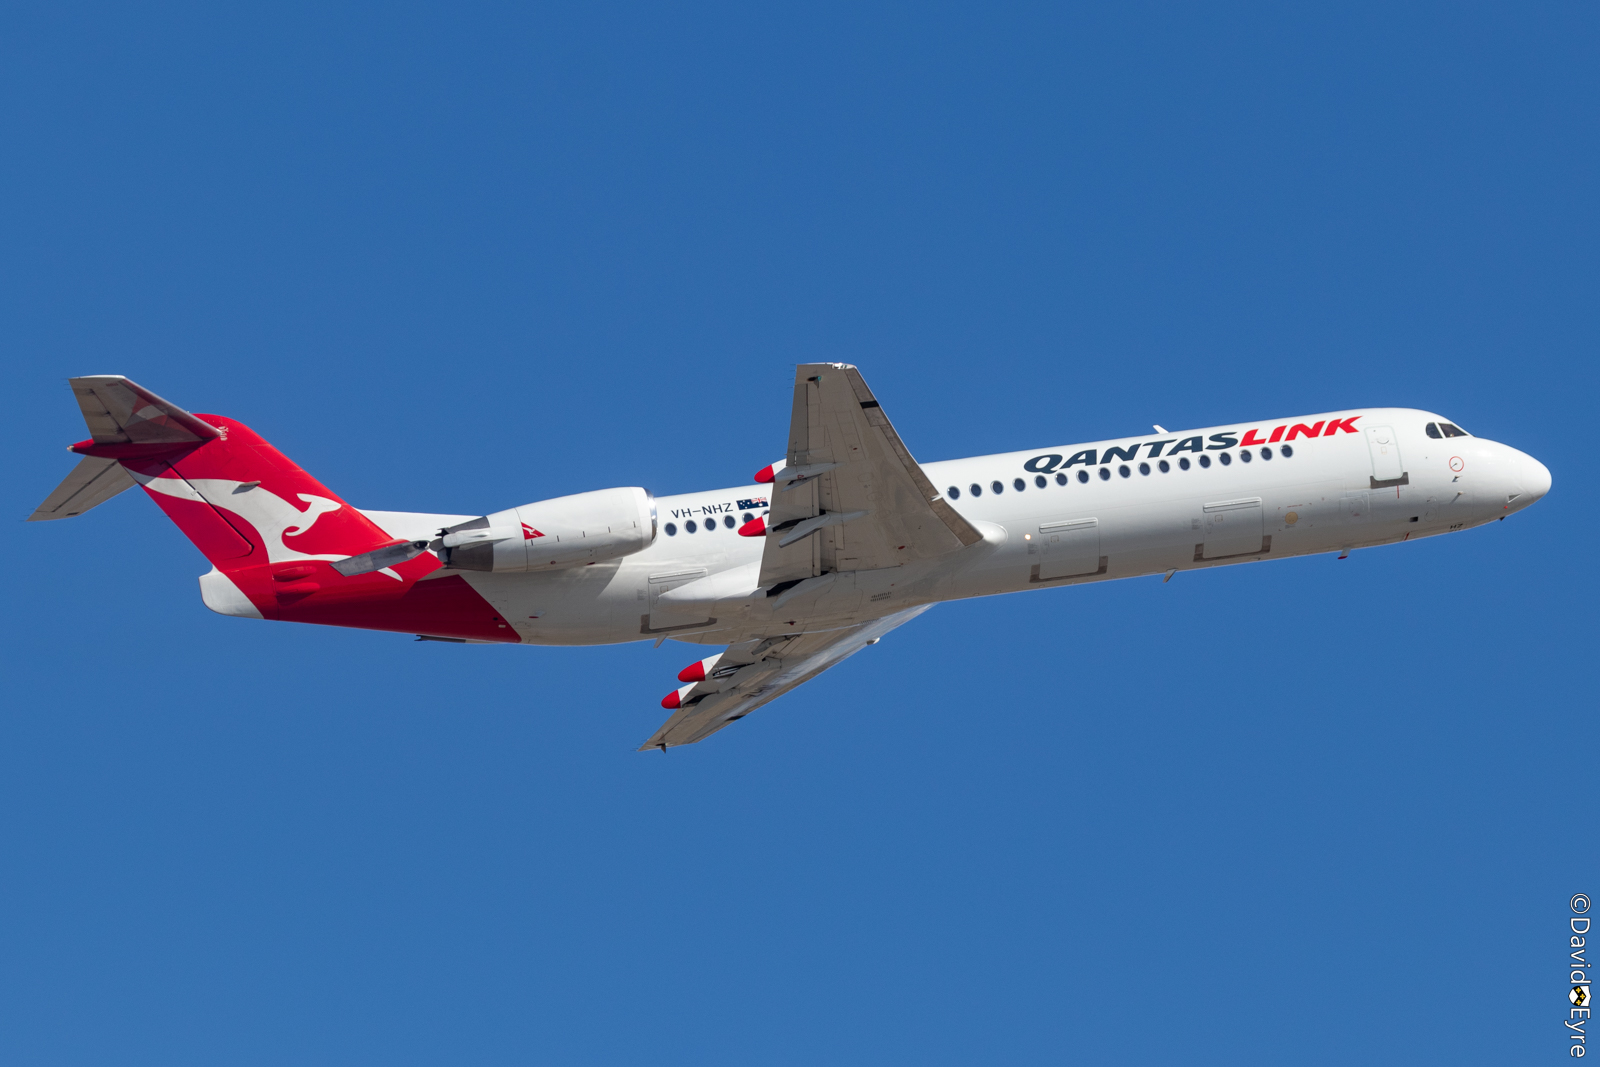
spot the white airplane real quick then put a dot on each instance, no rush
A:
(841, 541)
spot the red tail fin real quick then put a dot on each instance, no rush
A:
(270, 529)
(243, 503)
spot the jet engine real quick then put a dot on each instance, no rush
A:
(568, 531)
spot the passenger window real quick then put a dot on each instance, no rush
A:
(1433, 431)
(1166, 468)
(1083, 476)
(955, 494)
(1105, 474)
(727, 520)
(1144, 468)
(689, 527)
(1451, 430)
(1123, 470)
(1061, 478)
(1038, 479)
(1205, 461)
(672, 530)
(976, 489)
(749, 517)
(1245, 456)
(1018, 484)
(1226, 459)
(1266, 453)
(997, 487)
(1183, 463)
(1286, 451)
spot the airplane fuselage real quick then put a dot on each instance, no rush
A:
(1064, 515)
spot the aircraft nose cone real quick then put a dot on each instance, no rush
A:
(1533, 475)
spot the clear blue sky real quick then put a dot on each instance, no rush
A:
(1308, 812)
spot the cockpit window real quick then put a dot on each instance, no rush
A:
(1439, 430)
(1433, 431)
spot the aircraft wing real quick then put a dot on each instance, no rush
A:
(748, 674)
(851, 497)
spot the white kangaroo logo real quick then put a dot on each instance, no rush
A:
(273, 517)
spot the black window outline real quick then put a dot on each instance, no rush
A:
(1266, 453)
(1165, 467)
(975, 489)
(1205, 460)
(1144, 468)
(955, 492)
(1245, 456)
(1018, 484)
(1083, 476)
(1226, 458)
(1105, 474)
(728, 521)
(1040, 480)
(690, 527)
(1061, 478)
(1286, 451)
(671, 528)
(997, 487)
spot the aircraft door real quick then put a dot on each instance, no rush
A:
(1067, 549)
(1232, 528)
(658, 621)
(1387, 470)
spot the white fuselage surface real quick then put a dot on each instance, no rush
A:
(1055, 516)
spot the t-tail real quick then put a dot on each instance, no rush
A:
(281, 544)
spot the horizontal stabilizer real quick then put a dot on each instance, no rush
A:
(120, 412)
(92, 482)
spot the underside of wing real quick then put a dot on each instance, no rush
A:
(749, 674)
(851, 497)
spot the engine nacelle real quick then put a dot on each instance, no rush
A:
(568, 531)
